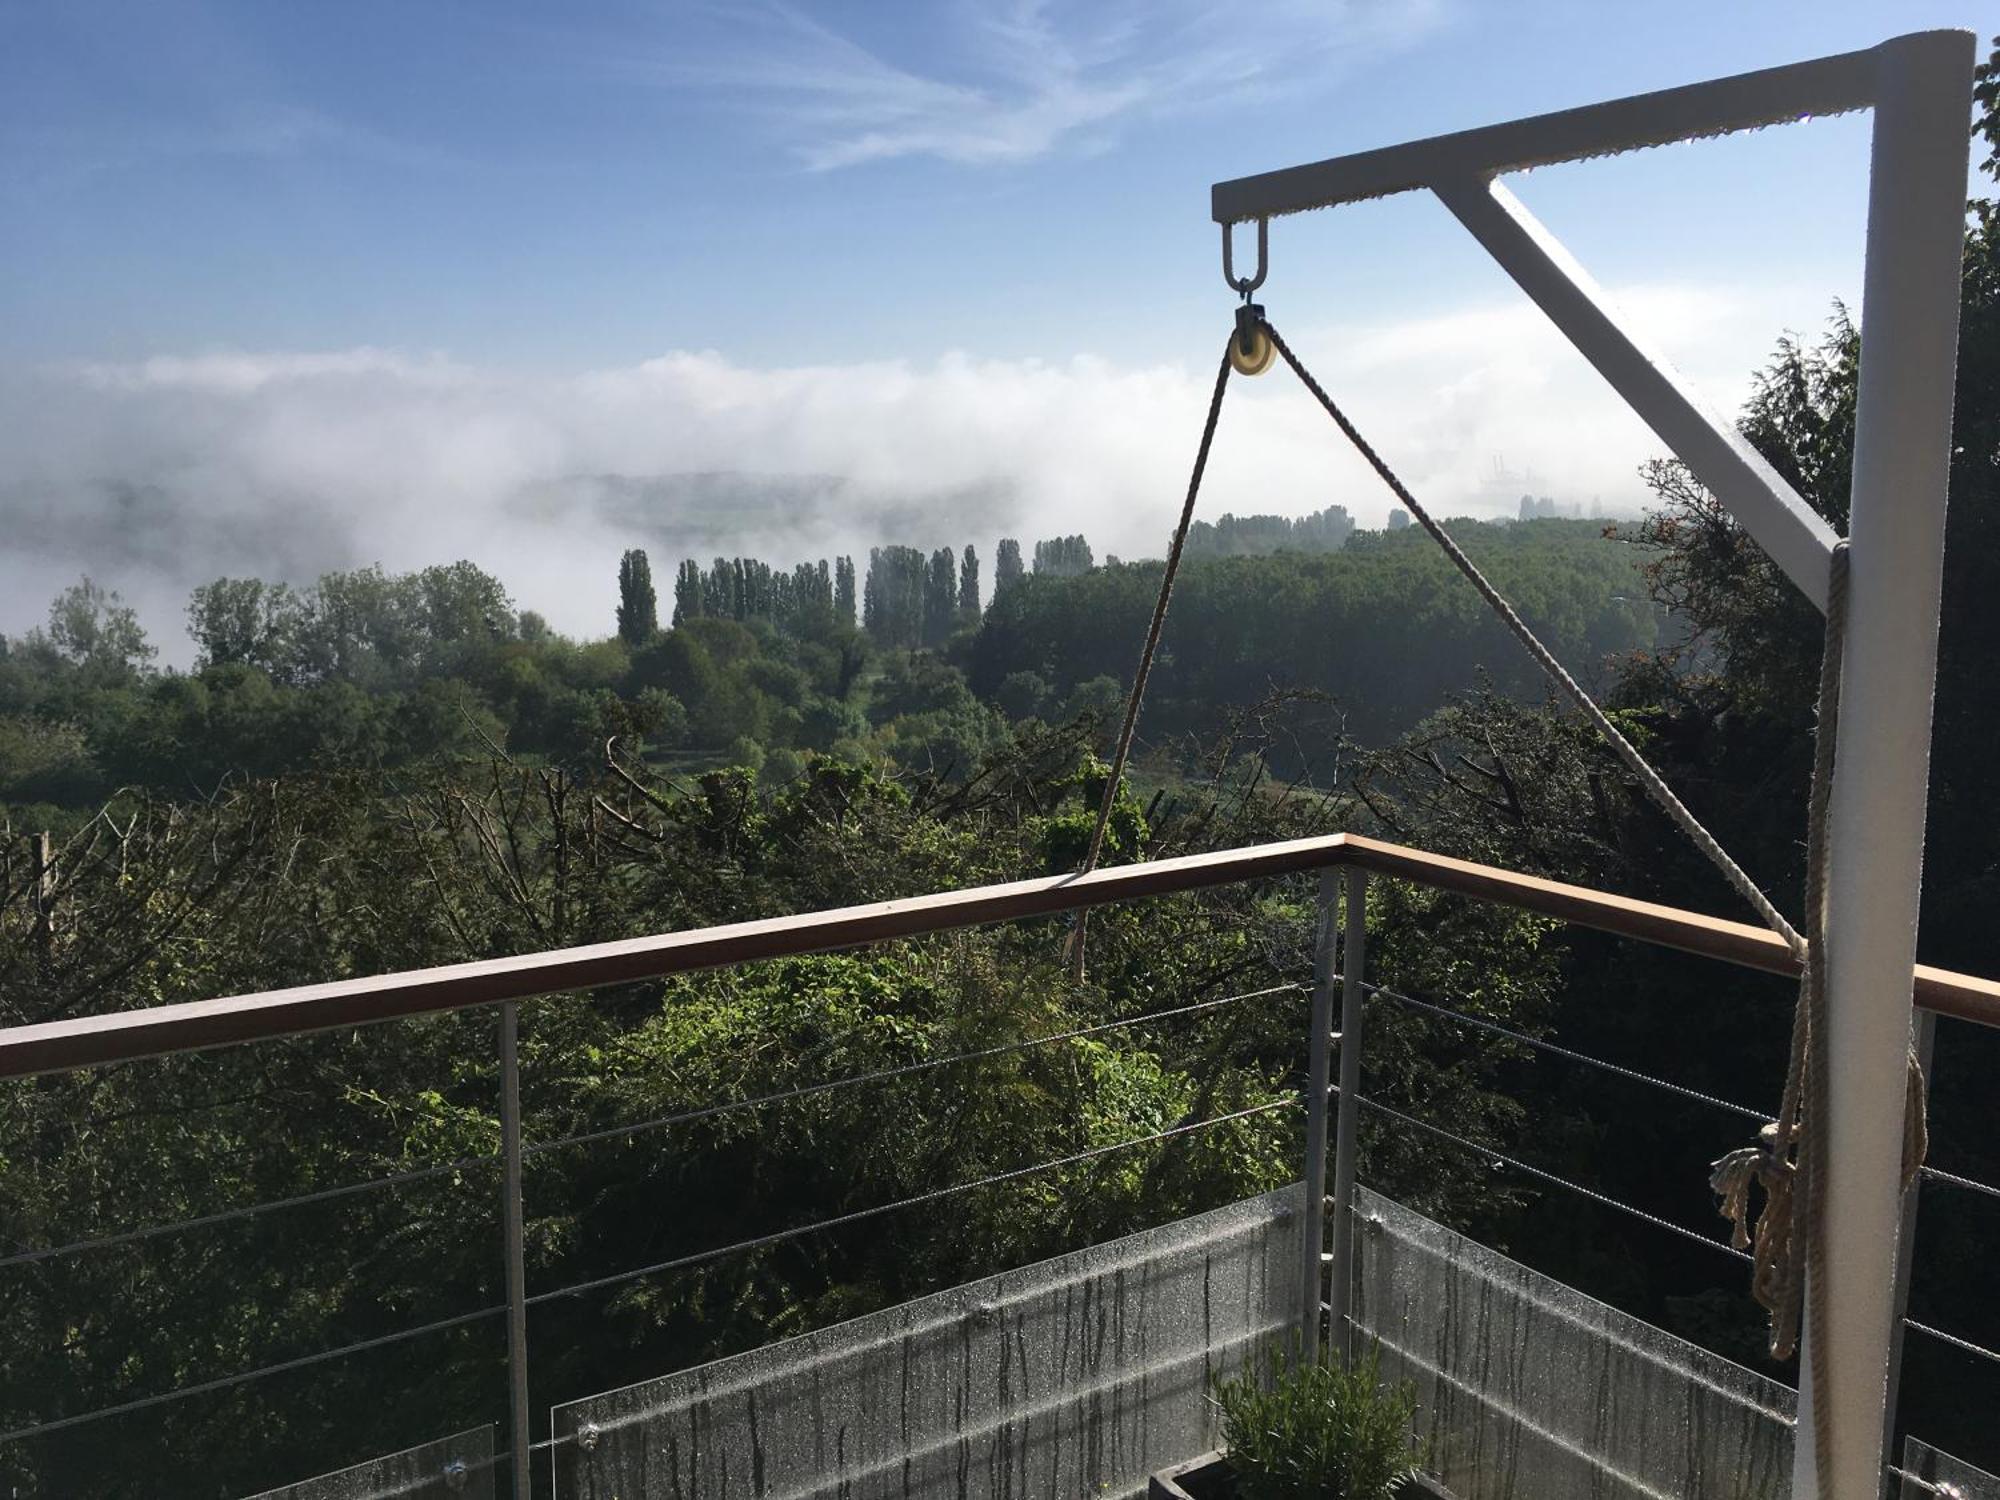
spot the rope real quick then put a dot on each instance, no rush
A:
(1790, 1160)
(1079, 934)
(1655, 786)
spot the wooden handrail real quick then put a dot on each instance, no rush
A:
(1941, 990)
(193, 1025)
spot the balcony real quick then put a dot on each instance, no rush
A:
(1072, 1375)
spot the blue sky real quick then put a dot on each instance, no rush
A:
(258, 221)
(595, 183)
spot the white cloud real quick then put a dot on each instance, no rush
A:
(1010, 82)
(158, 475)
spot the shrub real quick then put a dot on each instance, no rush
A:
(1319, 1431)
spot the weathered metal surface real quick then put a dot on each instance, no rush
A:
(1530, 1390)
(459, 1467)
(1074, 1377)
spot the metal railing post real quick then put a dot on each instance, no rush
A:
(1312, 1233)
(1353, 958)
(519, 1457)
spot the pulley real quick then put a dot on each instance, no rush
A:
(1250, 349)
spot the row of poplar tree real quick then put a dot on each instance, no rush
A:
(908, 599)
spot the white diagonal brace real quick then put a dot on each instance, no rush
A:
(1798, 540)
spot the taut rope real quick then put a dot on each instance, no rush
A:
(1789, 1161)
(1079, 934)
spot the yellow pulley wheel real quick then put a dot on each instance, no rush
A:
(1251, 352)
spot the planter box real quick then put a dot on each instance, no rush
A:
(1210, 1478)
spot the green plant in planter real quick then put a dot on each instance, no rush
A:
(1319, 1430)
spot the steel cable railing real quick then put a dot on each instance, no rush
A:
(779, 1236)
(1482, 1024)
(718, 1252)
(1952, 1179)
(361, 1346)
(913, 1201)
(1953, 1340)
(31, 1255)
(244, 1377)
(1926, 1171)
(31, 1049)
(247, 1211)
(900, 1070)
(1929, 1487)
(1544, 1175)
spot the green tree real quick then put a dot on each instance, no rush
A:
(246, 620)
(968, 584)
(638, 606)
(1007, 569)
(1063, 557)
(843, 592)
(893, 596)
(92, 630)
(940, 598)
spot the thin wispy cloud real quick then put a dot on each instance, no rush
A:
(1010, 83)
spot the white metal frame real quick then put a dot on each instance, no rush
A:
(1919, 87)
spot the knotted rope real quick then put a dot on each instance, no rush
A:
(1789, 1161)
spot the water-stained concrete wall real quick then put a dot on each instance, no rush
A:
(1530, 1390)
(1071, 1378)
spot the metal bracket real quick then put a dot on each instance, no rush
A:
(1250, 284)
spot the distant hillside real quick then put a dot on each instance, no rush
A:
(1385, 625)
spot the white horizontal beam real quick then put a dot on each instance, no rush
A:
(1797, 539)
(1774, 96)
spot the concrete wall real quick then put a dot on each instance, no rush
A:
(1532, 1391)
(1071, 1378)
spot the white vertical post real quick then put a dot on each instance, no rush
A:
(1902, 444)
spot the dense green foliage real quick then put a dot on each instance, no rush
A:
(1318, 1430)
(317, 877)
(1384, 627)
